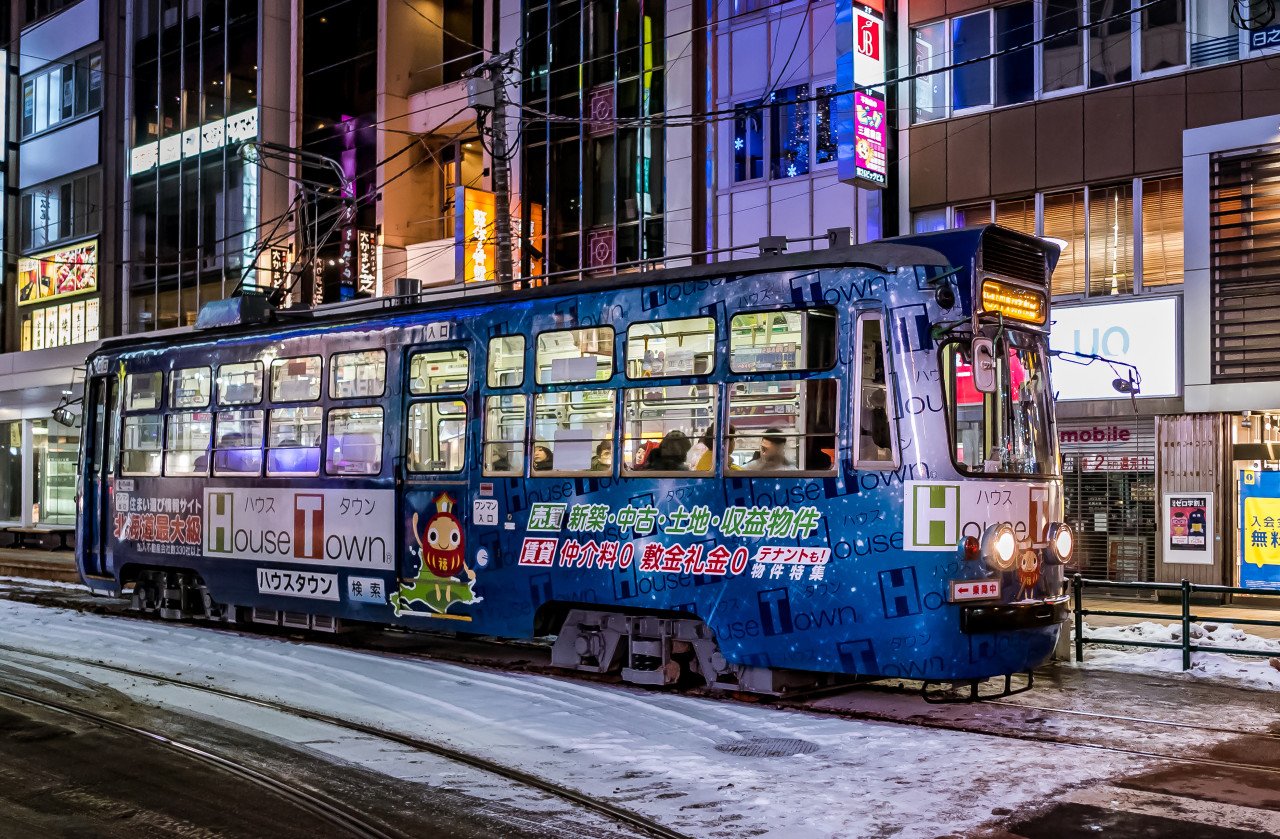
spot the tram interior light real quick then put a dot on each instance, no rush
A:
(1000, 546)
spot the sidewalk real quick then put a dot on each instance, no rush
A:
(1203, 614)
(58, 566)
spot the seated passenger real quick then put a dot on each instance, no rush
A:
(541, 458)
(703, 455)
(602, 461)
(773, 452)
(670, 454)
(500, 462)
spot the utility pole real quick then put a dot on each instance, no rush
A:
(487, 93)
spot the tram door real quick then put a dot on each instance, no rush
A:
(95, 511)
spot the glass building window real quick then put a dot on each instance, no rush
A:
(748, 142)
(931, 47)
(60, 93)
(1017, 214)
(1110, 49)
(1062, 65)
(789, 129)
(970, 40)
(1161, 231)
(1214, 36)
(11, 471)
(60, 210)
(1064, 223)
(972, 215)
(824, 128)
(1015, 64)
(1111, 240)
(55, 451)
(1164, 35)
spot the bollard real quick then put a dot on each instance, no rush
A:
(1186, 624)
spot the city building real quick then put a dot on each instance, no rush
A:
(63, 154)
(1096, 125)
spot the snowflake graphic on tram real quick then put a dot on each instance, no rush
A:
(755, 473)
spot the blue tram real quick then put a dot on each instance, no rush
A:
(840, 461)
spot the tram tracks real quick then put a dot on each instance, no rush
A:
(613, 812)
(330, 812)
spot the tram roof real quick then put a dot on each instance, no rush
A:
(885, 255)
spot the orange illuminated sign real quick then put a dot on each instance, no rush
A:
(475, 236)
(1013, 302)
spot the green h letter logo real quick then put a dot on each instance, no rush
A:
(219, 526)
(935, 516)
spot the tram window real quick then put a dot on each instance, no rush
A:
(358, 374)
(504, 434)
(439, 371)
(140, 447)
(293, 441)
(568, 430)
(354, 441)
(506, 361)
(437, 436)
(240, 384)
(239, 447)
(671, 348)
(187, 444)
(873, 442)
(296, 379)
(782, 426)
(575, 355)
(142, 391)
(190, 388)
(669, 429)
(765, 342)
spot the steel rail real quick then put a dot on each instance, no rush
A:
(599, 806)
(319, 805)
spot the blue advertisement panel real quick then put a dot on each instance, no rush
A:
(1260, 529)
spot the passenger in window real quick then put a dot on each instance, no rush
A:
(602, 460)
(541, 458)
(222, 458)
(500, 463)
(702, 457)
(671, 453)
(773, 452)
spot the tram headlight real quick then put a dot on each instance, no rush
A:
(1000, 546)
(1062, 540)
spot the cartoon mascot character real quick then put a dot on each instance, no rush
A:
(443, 576)
(1028, 575)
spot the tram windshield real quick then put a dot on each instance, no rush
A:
(1009, 431)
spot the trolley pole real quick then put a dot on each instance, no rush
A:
(487, 93)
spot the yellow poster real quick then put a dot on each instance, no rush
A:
(1262, 531)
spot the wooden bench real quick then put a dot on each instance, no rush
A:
(22, 534)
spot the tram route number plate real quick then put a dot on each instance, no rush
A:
(484, 511)
(962, 590)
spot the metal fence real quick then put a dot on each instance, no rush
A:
(1185, 615)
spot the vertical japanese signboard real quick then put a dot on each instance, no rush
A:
(476, 240)
(862, 116)
(1260, 529)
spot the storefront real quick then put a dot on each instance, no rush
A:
(1107, 437)
(38, 454)
(1109, 490)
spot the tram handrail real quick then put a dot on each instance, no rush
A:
(1186, 588)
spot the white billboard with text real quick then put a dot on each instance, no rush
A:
(1143, 333)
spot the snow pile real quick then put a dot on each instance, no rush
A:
(1251, 671)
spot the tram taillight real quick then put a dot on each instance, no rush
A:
(972, 548)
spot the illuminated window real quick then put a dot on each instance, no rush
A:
(506, 361)
(140, 448)
(505, 434)
(354, 441)
(191, 388)
(748, 141)
(142, 391)
(668, 429)
(683, 347)
(439, 371)
(789, 129)
(187, 444)
(782, 426)
(239, 443)
(359, 374)
(240, 384)
(437, 436)
(575, 355)
(761, 342)
(295, 379)
(569, 428)
(293, 442)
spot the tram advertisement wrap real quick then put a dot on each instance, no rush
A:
(1260, 526)
(938, 514)
(350, 528)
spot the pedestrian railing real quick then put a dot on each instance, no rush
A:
(1185, 615)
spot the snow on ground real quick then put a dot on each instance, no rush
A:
(653, 752)
(1250, 671)
(39, 583)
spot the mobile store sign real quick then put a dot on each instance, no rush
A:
(351, 528)
(1143, 333)
(1260, 530)
(862, 118)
